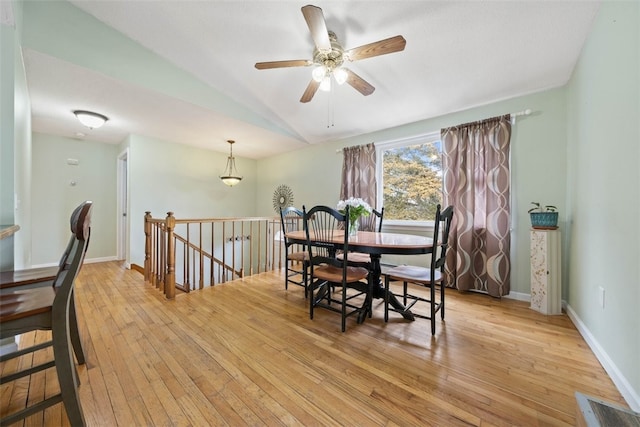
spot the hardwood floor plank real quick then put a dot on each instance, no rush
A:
(97, 382)
(246, 353)
(119, 404)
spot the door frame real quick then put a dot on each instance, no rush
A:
(122, 207)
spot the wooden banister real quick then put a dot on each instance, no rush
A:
(219, 250)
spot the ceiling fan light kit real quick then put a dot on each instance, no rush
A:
(329, 57)
(340, 75)
(230, 176)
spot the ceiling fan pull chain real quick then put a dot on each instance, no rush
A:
(330, 109)
(333, 109)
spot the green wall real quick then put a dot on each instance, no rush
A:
(15, 146)
(55, 197)
(603, 200)
(538, 158)
(8, 47)
(171, 177)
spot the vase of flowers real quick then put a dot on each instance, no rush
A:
(357, 208)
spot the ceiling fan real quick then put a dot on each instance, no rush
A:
(329, 57)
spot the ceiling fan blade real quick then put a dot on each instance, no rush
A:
(311, 90)
(358, 83)
(283, 64)
(317, 26)
(382, 47)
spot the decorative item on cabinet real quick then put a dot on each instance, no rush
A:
(546, 274)
(543, 217)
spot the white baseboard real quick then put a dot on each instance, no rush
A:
(103, 259)
(86, 261)
(520, 296)
(629, 394)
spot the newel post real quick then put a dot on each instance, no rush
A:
(147, 246)
(170, 280)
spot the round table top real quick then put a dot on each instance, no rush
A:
(377, 243)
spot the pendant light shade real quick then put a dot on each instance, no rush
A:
(231, 176)
(90, 119)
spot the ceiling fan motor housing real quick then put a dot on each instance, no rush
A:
(331, 59)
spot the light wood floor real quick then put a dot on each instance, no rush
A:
(246, 353)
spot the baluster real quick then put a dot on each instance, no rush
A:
(170, 280)
(185, 262)
(159, 251)
(162, 257)
(147, 246)
(201, 283)
(212, 273)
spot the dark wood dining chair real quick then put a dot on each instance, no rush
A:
(373, 222)
(296, 256)
(19, 280)
(431, 277)
(329, 275)
(49, 308)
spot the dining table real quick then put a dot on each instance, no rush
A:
(377, 244)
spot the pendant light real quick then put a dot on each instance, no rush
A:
(230, 176)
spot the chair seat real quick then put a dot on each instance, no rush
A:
(15, 278)
(298, 256)
(334, 274)
(358, 257)
(412, 273)
(27, 302)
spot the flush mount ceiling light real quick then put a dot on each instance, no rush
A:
(230, 176)
(90, 119)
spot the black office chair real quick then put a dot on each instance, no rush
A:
(431, 277)
(296, 256)
(49, 308)
(328, 274)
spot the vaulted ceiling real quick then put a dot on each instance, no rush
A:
(458, 55)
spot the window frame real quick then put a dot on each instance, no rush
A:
(391, 224)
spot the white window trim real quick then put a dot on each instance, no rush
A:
(400, 225)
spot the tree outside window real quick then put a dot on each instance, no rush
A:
(412, 179)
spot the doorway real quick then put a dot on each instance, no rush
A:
(122, 207)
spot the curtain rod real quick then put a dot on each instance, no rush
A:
(522, 113)
(519, 114)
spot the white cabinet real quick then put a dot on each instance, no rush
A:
(546, 289)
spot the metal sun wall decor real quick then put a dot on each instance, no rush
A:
(282, 198)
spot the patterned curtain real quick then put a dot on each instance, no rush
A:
(359, 173)
(477, 184)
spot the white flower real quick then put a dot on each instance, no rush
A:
(357, 207)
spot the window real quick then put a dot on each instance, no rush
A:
(410, 175)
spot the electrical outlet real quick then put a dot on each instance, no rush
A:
(601, 294)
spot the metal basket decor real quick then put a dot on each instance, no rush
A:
(544, 220)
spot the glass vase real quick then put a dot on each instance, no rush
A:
(354, 224)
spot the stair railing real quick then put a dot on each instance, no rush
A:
(190, 254)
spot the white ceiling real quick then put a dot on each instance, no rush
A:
(459, 54)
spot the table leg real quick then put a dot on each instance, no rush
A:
(379, 292)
